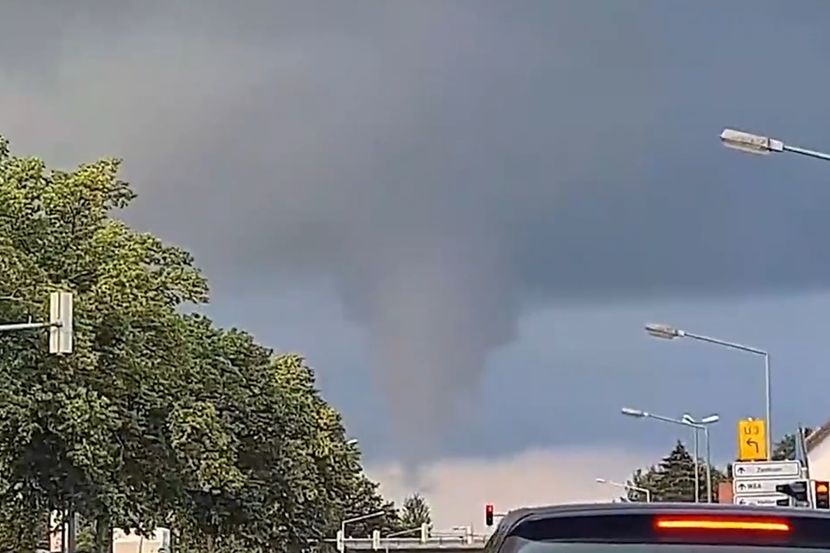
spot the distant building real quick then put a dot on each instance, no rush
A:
(725, 492)
(122, 542)
(818, 452)
(130, 543)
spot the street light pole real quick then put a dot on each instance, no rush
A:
(704, 423)
(638, 489)
(688, 422)
(762, 145)
(708, 464)
(697, 468)
(670, 333)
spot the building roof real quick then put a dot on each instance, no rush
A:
(817, 436)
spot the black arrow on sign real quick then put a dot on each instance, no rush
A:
(741, 486)
(752, 442)
(741, 470)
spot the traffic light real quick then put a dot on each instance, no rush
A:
(797, 490)
(60, 322)
(488, 514)
(822, 489)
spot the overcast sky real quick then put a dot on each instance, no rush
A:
(463, 212)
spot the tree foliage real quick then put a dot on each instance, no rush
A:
(158, 418)
(415, 512)
(785, 449)
(673, 479)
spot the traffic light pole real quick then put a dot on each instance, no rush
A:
(59, 325)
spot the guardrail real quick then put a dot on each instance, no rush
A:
(377, 543)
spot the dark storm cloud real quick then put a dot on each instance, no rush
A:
(447, 164)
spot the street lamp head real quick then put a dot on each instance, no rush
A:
(690, 420)
(601, 480)
(663, 331)
(352, 443)
(750, 143)
(632, 412)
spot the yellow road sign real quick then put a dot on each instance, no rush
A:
(752, 442)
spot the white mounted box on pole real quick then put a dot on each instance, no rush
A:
(341, 541)
(60, 323)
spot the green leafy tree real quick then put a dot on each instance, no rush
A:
(365, 499)
(785, 449)
(672, 480)
(157, 418)
(644, 480)
(86, 429)
(415, 512)
(296, 477)
(339, 479)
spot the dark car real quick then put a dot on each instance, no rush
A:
(661, 528)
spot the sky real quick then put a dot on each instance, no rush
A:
(463, 212)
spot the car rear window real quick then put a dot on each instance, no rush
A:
(669, 533)
(554, 547)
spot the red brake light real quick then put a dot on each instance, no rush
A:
(700, 523)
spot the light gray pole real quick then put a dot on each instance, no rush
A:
(708, 465)
(767, 378)
(768, 393)
(806, 152)
(697, 471)
(704, 424)
(669, 333)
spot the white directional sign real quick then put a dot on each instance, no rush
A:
(767, 469)
(754, 482)
(763, 500)
(758, 485)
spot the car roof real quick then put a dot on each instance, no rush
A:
(813, 522)
(513, 518)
